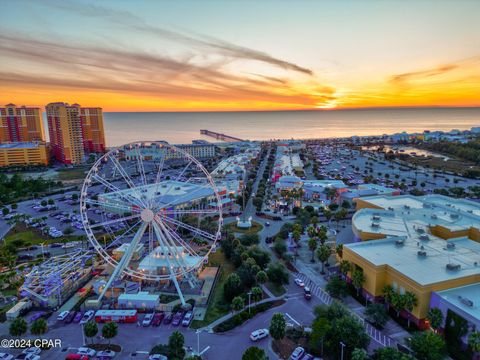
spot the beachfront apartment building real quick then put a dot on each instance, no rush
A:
(74, 132)
(20, 124)
(23, 153)
(423, 245)
(156, 151)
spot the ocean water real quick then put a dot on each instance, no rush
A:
(125, 127)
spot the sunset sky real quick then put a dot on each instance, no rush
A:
(240, 55)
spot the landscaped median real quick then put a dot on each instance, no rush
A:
(246, 314)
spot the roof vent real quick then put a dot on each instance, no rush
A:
(424, 237)
(453, 266)
(454, 216)
(420, 230)
(434, 216)
(400, 242)
(466, 301)
(375, 225)
(470, 211)
(406, 206)
(390, 208)
(422, 253)
(376, 217)
(450, 245)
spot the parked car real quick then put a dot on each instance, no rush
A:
(187, 319)
(69, 317)
(27, 357)
(147, 320)
(63, 315)
(87, 317)
(307, 293)
(106, 354)
(77, 357)
(297, 353)
(259, 334)
(168, 318)
(78, 317)
(4, 356)
(157, 357)
(37, 315)
(299, 282)
(177, 318)
(32, 350)
(158, 318)
(86, 351)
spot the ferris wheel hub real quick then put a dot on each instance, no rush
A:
(147, 215)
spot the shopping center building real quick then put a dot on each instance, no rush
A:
(423, 245)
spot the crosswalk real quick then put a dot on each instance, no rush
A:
(315, 289)
(324, 297)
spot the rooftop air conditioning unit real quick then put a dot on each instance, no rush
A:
(453, 266)
(422, 253)
(454, 216)
(424, 237)
(406, 206)
(376, 217)
(390, 208)
(400, 242)
(450, 245)
(466, 301)
(434, 216)
(375, 225)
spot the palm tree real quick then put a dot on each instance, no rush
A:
(344, 268)
(409, 302)
(358, 279)
(398, 303)
(474, 341)
(323, 253)
(435, 318)
(312, 245)
(339, 250)
(388, 293)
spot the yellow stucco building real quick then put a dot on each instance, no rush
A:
(415, 244)
(18, 154)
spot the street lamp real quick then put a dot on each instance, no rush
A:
(198, 341)
(249, 295)
(343, 345)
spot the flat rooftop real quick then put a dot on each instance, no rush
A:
(401, 214)
(424, 270)
(20, 145)
(469, 292)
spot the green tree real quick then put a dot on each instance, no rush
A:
(344, 268)
(388, 293)
(359, 354)
(320, 329)
(376, 314)
(280, 247)
(358, 279)
(277, 274)
(435, 318)
(256, 293)
(323, 254)
(312, 245)
(389, 353)
(349, 331)
(18, 327)
(428, 345)
(39, 327)
(409, 302)
(277, 326)
(261, 277)
(339, 250)
(90, 329)
(238, 303)
(109, 331)
(336, 287)
(232, 287)
(474, 341)
(176, 343)
(254, 353)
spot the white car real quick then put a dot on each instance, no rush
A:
(157, 357)
(147, 320)
(28, 357)
(4, 356)
(63, 315)
(297, 353)
(87, 316)
(259, 334)
(32, 350)
(86, 351)
(106, 354)
(187, 319)
(299, 282)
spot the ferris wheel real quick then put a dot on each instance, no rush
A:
(151, 211)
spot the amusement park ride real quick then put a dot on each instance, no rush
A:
(147, 211)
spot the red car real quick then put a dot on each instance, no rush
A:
(158, 318)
